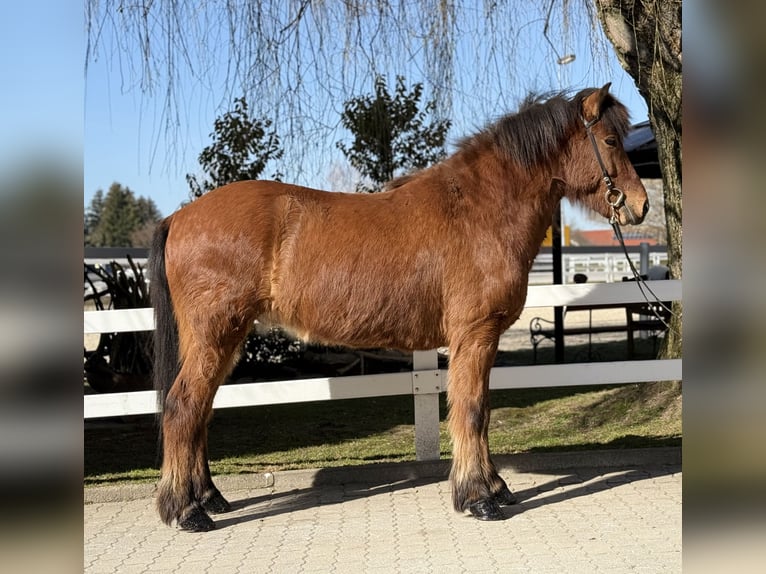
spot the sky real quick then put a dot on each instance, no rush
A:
(121, 140)
(41, 55)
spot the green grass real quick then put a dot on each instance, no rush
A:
(360, 431)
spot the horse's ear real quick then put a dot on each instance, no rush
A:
(592, 105)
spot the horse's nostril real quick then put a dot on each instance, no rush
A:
(646, 208)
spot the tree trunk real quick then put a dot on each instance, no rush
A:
(647, 38)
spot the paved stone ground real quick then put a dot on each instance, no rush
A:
(609, 511)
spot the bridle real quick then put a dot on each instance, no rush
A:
(615, 197)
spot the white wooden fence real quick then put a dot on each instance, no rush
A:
(426, 380)
(600, 267)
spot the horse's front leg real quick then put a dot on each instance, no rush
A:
(476, 485)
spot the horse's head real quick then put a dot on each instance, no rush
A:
(598, 172)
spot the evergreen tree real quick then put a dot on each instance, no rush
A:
(148, 216)
(241, 148)
(147, 210)
(119, 219)
(93, 215)
(391, 135)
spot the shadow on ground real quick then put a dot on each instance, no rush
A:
(578, 482)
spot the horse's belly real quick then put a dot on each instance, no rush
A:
(358, 315)
(355, 272)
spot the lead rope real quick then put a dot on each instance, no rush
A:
(642, 284)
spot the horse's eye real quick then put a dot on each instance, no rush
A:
(611, 141)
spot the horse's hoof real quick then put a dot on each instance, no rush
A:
(216, 504)
(197, 521)
(486, 510)
(504, 497)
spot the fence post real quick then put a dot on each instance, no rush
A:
(426, 385)
(644, 258)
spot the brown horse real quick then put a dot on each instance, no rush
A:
(441, 257)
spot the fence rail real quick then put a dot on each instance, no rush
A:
(426, 380)
(603, 266)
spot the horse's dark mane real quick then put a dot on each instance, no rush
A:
(535, 133)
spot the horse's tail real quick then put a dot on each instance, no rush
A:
(166, 363)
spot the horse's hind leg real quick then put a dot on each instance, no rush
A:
(186, 489)
(476, 485)
(209, 496)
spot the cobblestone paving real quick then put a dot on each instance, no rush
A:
(578, 521)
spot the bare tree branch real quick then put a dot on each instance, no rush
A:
(297, 61)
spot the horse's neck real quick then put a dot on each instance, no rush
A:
(515, 203)
(526, 211)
